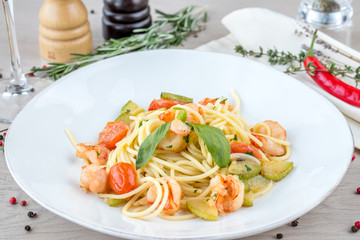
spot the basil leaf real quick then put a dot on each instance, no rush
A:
(147, 147)
(182, 116)
(216, 143)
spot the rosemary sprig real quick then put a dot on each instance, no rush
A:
(169, 30)
(294, 62)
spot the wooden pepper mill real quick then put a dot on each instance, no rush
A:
(121, 17)
(64, 29)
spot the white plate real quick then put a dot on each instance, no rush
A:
(43, 162)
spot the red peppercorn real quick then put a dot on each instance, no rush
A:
(357, 223)
(31, 75)
(1, 143)
(358, 190)
(4, 133)
(12, 200)
(44, 66)
(353, 157)
(23, 203)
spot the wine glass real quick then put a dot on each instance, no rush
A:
(16, 91)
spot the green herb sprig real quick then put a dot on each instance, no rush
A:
(294, 62)
(169, 30)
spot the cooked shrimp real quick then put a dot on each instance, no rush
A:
(94, 178)
(175, 193)
(180, 128)
(172, 142)
(206, 101)
(191, 118)
(167, 115)
(268, 146)
(96, 154)
(227, 192)
(277, 131)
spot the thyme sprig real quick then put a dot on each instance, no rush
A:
(169, 30)
(294, 62)
(275, 57)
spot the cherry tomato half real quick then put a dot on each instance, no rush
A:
(163, 103)
(122, 178)
(113, 133)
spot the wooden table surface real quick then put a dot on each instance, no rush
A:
(331, 220)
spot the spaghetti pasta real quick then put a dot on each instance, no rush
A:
(181, 168)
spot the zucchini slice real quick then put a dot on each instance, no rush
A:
(172, 96)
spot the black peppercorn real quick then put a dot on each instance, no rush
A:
(92, 11)
(279, 236)
(354, 228)
(27, 228)
(1, 137)
(31, 214)
(294, 223)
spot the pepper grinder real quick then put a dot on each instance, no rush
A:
(121, 17)
(64, 29)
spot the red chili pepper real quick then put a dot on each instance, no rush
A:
(327, 81)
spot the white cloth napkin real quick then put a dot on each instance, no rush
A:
(254, 27)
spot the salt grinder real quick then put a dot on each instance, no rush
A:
(121, 17)
(64, 29)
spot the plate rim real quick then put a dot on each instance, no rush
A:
(130, 235)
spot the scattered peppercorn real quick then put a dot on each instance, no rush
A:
(12, 200)
(27, 228)
(1, 75)
(294, 223)
(279, 236)
(357, 224)
(1, 143)
(44, 66)
(31, 214)
(358, 190)
(353, 157)
(23, 203)
(1, 137)
(92, 11)
(4, 133)
(354, 228)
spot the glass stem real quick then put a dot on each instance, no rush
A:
(19, 78)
